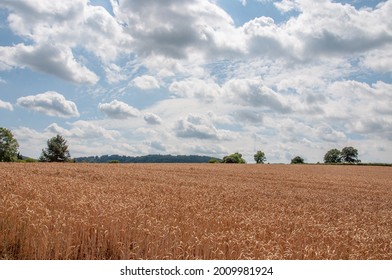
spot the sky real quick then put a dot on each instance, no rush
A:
(205, 77)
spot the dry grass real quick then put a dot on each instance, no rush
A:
(189, 211)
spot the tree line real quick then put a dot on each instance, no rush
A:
(57, 151)
(334, 156)
(144, 159)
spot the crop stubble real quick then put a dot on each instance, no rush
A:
(194, 211)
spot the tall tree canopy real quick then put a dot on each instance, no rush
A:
(260, 157)
(350, 155)
(8, 146)
(333, 156)
(57, 150)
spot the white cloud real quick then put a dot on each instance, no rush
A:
(285, 5)
(50, 103)
(288, 85)
(6, 105)
(205, 91)
(252, 92)
(326, 133)
(248, 117)
(146, 82)
(379, 59)
(153, 119)
(56, 60)
(56, 31)
(114, 73)
(197, 126)
(118, 110)
(177, 29)
(84, 130)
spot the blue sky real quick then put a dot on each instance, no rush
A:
(132, 77)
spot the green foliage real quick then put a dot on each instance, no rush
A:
(234, 158)
(113, 161)
(214, 160)
(146, 159)
(260, 157)
(347, 155)
(57, 150)
(297, 160)
(333, 156)
(8, 146)
(350, 155)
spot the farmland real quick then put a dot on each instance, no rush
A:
(194, 211)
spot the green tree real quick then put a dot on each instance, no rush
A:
(234, 158)
(350, 155)
(8, 146)
(260, 157)
(297, 160)
(333, 156)
(57, 150)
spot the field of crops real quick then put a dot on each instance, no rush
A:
(194, 211)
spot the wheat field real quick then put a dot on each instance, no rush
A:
(194, 211)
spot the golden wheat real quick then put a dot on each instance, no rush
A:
(194, 211)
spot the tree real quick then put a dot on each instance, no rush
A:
(57, 150)
(333, 156)
(297, 160)
(260, 157)
(8, 146)
(233, 158)
(350, 155)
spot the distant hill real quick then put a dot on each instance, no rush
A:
(145, 159)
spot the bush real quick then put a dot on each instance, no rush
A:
(234, 158)
(297, 160)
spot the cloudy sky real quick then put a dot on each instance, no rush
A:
(207, 77)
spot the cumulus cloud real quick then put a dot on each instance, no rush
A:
(145, 82)
(379, 59)
(248, 117)
(153, 119)
(321, 29)
(196, 88)
(285, 5)
(367, 107)
(118, 110)
(329, 134)
(56, 60)
(287, 79)
(84, 130)
(176, 28)
(6, 105)
(252, 92)
(197, 126)
(56, 30)
(50, 103)
(114, 73)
